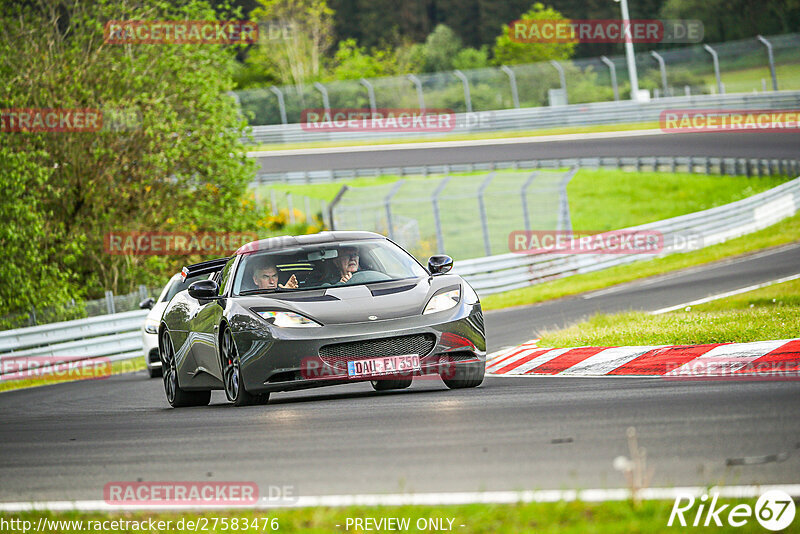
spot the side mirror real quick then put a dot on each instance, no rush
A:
(147, 304)
(204, 290)
(440, 264)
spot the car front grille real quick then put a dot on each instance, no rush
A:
(420, 344)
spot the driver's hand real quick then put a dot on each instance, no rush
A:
(290, 284)
(346, 277)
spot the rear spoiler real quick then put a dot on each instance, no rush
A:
(205, 267)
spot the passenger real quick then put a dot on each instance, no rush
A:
(265, 276)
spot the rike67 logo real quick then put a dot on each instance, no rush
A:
(774, 510)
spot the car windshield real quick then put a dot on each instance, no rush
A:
(325, 265)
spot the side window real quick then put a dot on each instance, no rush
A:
(223, 278)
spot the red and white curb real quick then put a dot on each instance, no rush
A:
(760, 359)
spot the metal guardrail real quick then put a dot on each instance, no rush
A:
(114, 336)
(691, 164)
(616, 112)
(512, 271)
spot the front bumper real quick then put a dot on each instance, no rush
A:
(282, 359)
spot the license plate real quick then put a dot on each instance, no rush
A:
(387, 365)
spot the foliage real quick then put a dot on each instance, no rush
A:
(510, 52)
(352, 62)
(297, 54)
(175, 164)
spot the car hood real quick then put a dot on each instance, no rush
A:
(357, 304)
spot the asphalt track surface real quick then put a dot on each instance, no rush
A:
(622, 144)
(67, 441)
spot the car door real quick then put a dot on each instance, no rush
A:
(205, 326)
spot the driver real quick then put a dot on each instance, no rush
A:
(265, 276)
(346, 263)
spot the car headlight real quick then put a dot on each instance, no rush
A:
(151, 326)
(443, 301)
(287, 319)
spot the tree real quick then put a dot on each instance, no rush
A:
(510, 52)
(176, 163)
(352, 62)
(297, 53)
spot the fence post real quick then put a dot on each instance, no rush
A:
(32, 316)
(281, 103)
(564, 221)
(418, 84)
(771, 61)
(142, 292)
(370, 93)
(482, 208)
(524, 192)
(110, 302)
(512, 80)
(291, 207)
(465, 83)
(332, 206)
(387, 203)
(309, 217)
(663, 68)
(273, 202)
(324, 92)
(720, 89)
(436, 219)
(613, 71)
(562, 77)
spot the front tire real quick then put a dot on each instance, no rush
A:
(232, 375)
(176, 396)
(464, 376)
(386, 385)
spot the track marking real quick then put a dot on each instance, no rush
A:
(726, 294)
(455, 144)
(434, 499)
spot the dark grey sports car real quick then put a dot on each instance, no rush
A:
(289, 313)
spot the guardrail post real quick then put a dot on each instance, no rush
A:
(110, 302)
(512, 80)
(564, 221)
(720, 88)
(663, 68)
(370, 94)
(465, 83)
(418, 84)
(281, 103)
(613, 71)
(332, 207)
(708, 165)
(291, 207)
(562, 78)
(436, 219)
(387, 204)
(482, 208)
(524, 193)
(324, 92)
(771, 61)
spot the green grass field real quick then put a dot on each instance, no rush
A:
(619, 517)
(771, 312)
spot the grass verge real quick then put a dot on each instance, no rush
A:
(119, 367)
(786, 231)
(563, 517)
(771, 312)
(463, 137)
